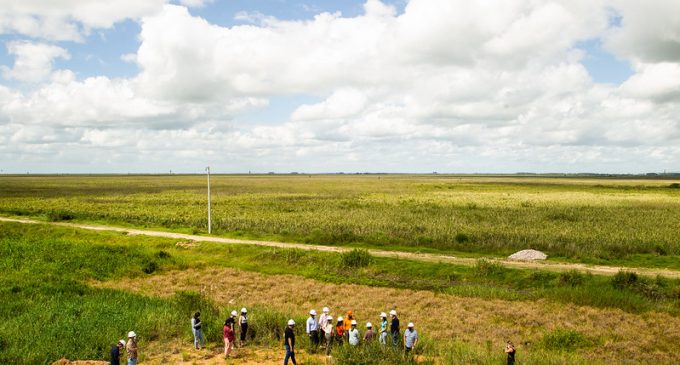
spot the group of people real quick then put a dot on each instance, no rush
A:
(325, 332)
(130, 349)
(229, 330)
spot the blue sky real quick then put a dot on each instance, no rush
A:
(354, 85)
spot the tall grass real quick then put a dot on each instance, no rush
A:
(581, 219)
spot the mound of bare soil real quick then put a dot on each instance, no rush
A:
(528, 255)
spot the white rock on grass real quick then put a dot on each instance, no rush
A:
(527, 255)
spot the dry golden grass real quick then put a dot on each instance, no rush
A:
(649, 338)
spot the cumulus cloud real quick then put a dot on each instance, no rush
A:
(32, 61)
(446, 85)
(69, 20)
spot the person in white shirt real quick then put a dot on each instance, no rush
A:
(313, 328)
(322, 325)
(328, 329)
(354, 334)
(383, 328)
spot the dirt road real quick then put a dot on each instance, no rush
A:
(426, 257)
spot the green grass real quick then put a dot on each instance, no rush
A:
(48, 310)
(630, 222)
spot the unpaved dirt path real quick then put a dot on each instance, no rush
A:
(426, 257)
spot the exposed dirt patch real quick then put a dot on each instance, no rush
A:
(647, 338)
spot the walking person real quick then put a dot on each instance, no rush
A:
(328, 333)
(229, 336)
(322, 323)
(394, 328)
(353, 334)
(131, 348)
(510, 350)
(115, 352)
(410, 338)
(199, 339)
(383, 328)
(312, 329)
(340, 331)
(243, 323)
(289, 343)
(368, 336)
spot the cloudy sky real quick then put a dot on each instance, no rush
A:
(339, 85)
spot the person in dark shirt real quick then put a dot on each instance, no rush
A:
(394, 328)
(115, 352)
(510, 350)
(289, 343)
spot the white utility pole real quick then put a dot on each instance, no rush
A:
(209, 222)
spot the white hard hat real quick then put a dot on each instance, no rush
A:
(410, 325)
(354, 323)
(122, 342)
(244, 310)
(383, 315)
(291, 322)
(369, 325)
(312, 312)
(234, 314)
(132, 334)
(329, 318)
(393, 312)
(326, 310)
(340, 319)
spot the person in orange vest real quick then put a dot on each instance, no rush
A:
(348, 322)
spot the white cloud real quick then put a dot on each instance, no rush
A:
(649, 30)
(69, 20)
(447, 85)
(33, 61)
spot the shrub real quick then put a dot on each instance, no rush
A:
(624, 279)
(357, 258)
(149, 267)
(571, 278)
(485, 268)
(674, 186)
(462, 237)
(58, 216)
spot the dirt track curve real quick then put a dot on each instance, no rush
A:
(426, 257)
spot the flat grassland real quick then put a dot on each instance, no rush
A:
(87, 289)
(592, 220)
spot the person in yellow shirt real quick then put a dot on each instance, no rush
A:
(348, 323)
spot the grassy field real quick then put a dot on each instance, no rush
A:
(87, 289)
(634, 222)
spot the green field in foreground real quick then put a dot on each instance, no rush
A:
(46, 294)
(634, 222)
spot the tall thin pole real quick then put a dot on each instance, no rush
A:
(209, 222)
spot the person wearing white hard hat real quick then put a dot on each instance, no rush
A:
(353, 334)
(312, 329)
(383, 328)
(243, 324)
(339, 331)
(322, 324)
(115, 352)
(394, 328)
(368, 336)
(131, 348)
(289, 343)
(328, 333)
(410, 338)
